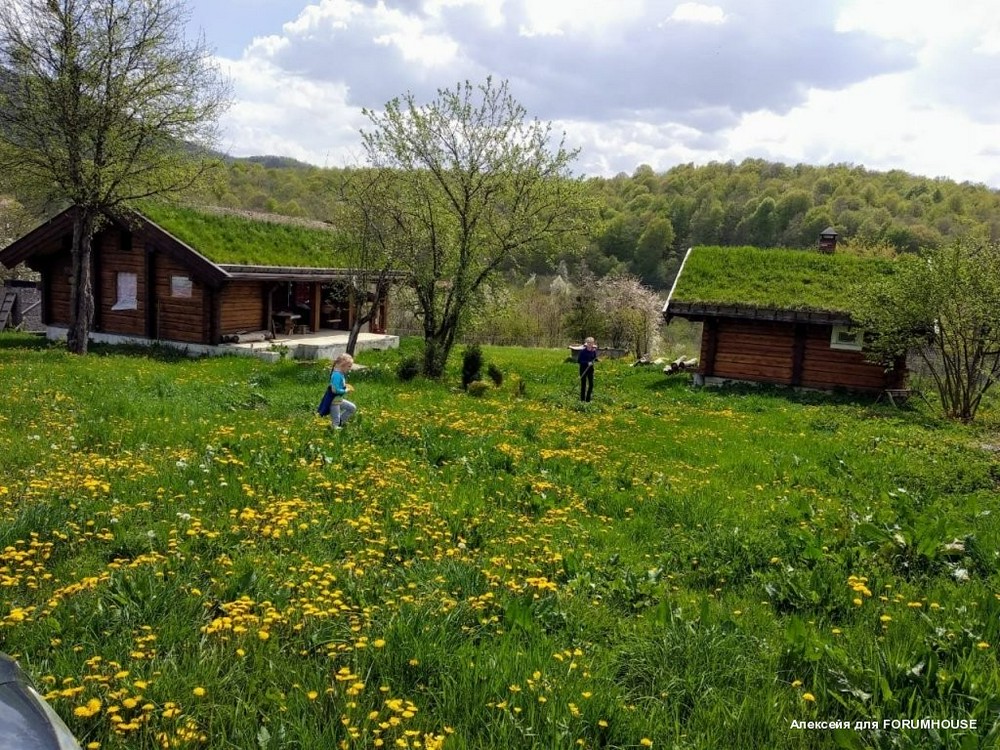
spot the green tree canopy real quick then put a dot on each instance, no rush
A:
(944, 306)
(474, 185)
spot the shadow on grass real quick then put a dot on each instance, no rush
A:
(156, 352)
(19, 340)
(916, 408)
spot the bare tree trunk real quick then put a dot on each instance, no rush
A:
(81, 284)
(352, 336)
(360, 320)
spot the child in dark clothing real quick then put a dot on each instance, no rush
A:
(587, 358)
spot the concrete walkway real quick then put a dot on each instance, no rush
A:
(322, 345)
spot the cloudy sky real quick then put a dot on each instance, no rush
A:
(888, 84)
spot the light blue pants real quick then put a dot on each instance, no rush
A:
(340, 411)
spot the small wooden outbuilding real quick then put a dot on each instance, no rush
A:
(779, 316)
(196, 276)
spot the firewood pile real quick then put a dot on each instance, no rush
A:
(681, 364)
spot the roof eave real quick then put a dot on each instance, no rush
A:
(706, 310)
(237, 271)
(28, 245)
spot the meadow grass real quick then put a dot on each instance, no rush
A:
(189, 558)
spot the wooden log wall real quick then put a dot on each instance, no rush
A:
(114, 254)
(747, 350)
(57, 287)
(243, 306)
(824, 367)
(179, 318)
(783, 353)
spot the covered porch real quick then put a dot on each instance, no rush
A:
(300, 301)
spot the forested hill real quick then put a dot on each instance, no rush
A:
(647, 219)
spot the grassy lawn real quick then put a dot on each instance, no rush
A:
(189, 558)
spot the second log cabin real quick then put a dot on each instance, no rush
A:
(779, 316)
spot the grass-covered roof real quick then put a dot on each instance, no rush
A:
(249, 239)
(773, 279)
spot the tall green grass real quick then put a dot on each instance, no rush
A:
(189, 558)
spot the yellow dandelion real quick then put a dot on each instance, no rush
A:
(646, 742)
(199, 692)
(809, 697)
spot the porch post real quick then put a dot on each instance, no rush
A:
(316, 295)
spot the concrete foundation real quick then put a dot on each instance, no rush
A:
(323, 345)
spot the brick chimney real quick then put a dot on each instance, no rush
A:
(828, 240)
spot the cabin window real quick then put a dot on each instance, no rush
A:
(180, 286)
(126, 292)
(845, 337)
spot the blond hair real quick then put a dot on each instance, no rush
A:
(343, 362)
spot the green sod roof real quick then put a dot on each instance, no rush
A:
(228, 238)
(773, 279)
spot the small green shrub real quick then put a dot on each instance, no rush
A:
(472, 364)
(495, 374)
(478, 388)
(408, 369)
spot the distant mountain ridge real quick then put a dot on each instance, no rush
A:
(269, 161)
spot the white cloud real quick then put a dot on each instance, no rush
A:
(872, 123)
(332, 13)
(287, 115)
(889, 84)
(698, 13)
(573, 17)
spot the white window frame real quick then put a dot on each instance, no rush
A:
(847, 338)
(126, 291)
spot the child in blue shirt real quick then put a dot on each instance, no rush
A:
(341, 409)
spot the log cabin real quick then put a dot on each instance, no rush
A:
(197, 276)
(779, 316)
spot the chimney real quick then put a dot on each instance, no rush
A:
(828, 240)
